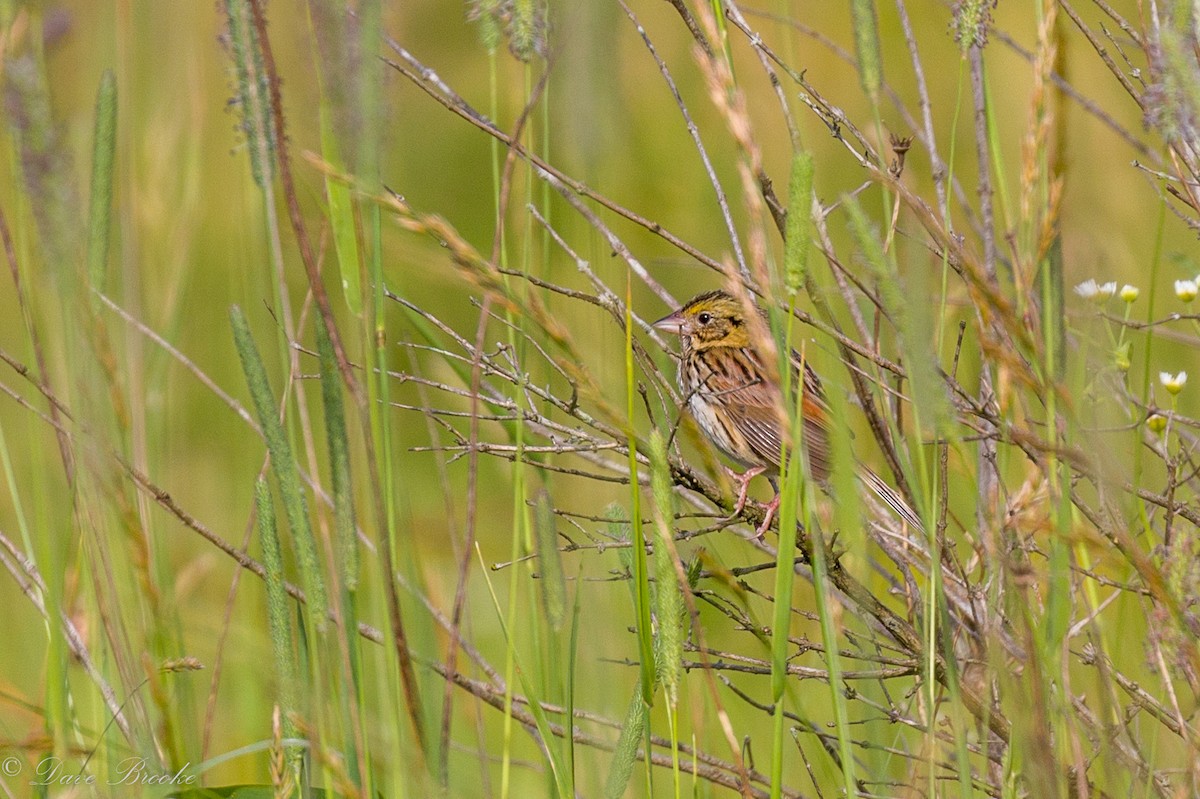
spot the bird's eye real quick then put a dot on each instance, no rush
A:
(704, 318)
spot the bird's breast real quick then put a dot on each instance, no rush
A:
(715, 423)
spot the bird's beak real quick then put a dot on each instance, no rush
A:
(672, 323)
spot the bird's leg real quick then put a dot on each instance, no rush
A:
(768, 517)
(742, 481)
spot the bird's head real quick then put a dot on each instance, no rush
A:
(712, 319)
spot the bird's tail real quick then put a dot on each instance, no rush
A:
(911, 552)
(891, 497)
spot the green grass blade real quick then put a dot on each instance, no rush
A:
(799, 227)
(104, 143)
(791, 486)
(340, 206)
(553, 583)
(253, 94)
(668, 597)
(282, 648)
(339, 461)
(625, 755)
(284, 466)
(531, 695)
(829, 640)
(640, 572)
(866, 45)
(569, 699)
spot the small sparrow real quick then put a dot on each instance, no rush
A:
(736, 404)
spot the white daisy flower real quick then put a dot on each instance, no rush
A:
(1173, 383)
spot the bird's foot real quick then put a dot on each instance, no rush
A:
(768, 517)
(742, 481)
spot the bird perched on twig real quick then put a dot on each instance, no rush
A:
(732, 397)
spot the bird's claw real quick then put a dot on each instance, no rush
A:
(768, 517)
(743, 483)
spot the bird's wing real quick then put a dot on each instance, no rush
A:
(735, 378)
